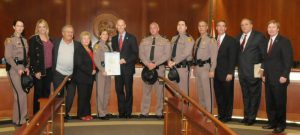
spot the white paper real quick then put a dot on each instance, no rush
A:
(112, 63)
(257, 68)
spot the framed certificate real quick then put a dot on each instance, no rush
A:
(112, 63)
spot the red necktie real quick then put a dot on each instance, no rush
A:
(243, 42)
(218, 42)
(120, 42)
(270, 46)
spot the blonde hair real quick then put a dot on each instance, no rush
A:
(41, 21)
(85, 33)
(274, 22)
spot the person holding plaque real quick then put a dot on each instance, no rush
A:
(103, 81)
(126, 44)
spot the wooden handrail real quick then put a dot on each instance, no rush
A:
(188, 100)
(40, 119)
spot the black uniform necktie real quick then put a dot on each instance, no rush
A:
(152, 50)
(175, 47)
(196, 50)
(24, 53)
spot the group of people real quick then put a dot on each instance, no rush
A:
(212, 60)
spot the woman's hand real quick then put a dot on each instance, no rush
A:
(94, 72)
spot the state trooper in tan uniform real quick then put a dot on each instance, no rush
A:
(103, 82)
(16, 59)
(181, 57)
(205, 57)
(154, 51)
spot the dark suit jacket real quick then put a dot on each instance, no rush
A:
(36, 53)
(83, 66)
(227, 57)
(129, 52)
(252, 54)
(279, 62)
(56, 44)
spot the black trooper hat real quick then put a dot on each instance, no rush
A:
(173, 75)
(149, 76)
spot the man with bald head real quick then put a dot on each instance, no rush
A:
(251, 53)
(154, 51)
(126, 44)
(181, 55)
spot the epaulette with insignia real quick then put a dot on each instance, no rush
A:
(189, 39)
(210, 36)
(96, 46)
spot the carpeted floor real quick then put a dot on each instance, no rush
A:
(142, 127)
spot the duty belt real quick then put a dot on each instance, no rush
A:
(18, 62)
(184, 64)
(201, 63)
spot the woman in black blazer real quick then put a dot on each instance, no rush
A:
(85, 70)
(40, 51)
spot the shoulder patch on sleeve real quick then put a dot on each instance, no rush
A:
(7, 41)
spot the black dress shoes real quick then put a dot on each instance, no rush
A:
(268, 127)
(142, 116)
(250, 122)
(122, 116)
(160, 117)
(225, 120)
(109, 115)
(17, 125)
(278, 130)
(104, 118)
(244, 121)
(67, 117)
(128, 116)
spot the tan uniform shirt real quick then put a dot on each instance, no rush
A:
(99, 50)
(184, 48)
(207, 49)
(161, 53)
(14, 50)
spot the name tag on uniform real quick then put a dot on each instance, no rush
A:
(112, 63)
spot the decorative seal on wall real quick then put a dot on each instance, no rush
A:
(105, 21)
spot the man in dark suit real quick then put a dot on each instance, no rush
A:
(277, 67)
(126, 44)
(224, 72)
(251, 53)
(63, 64)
